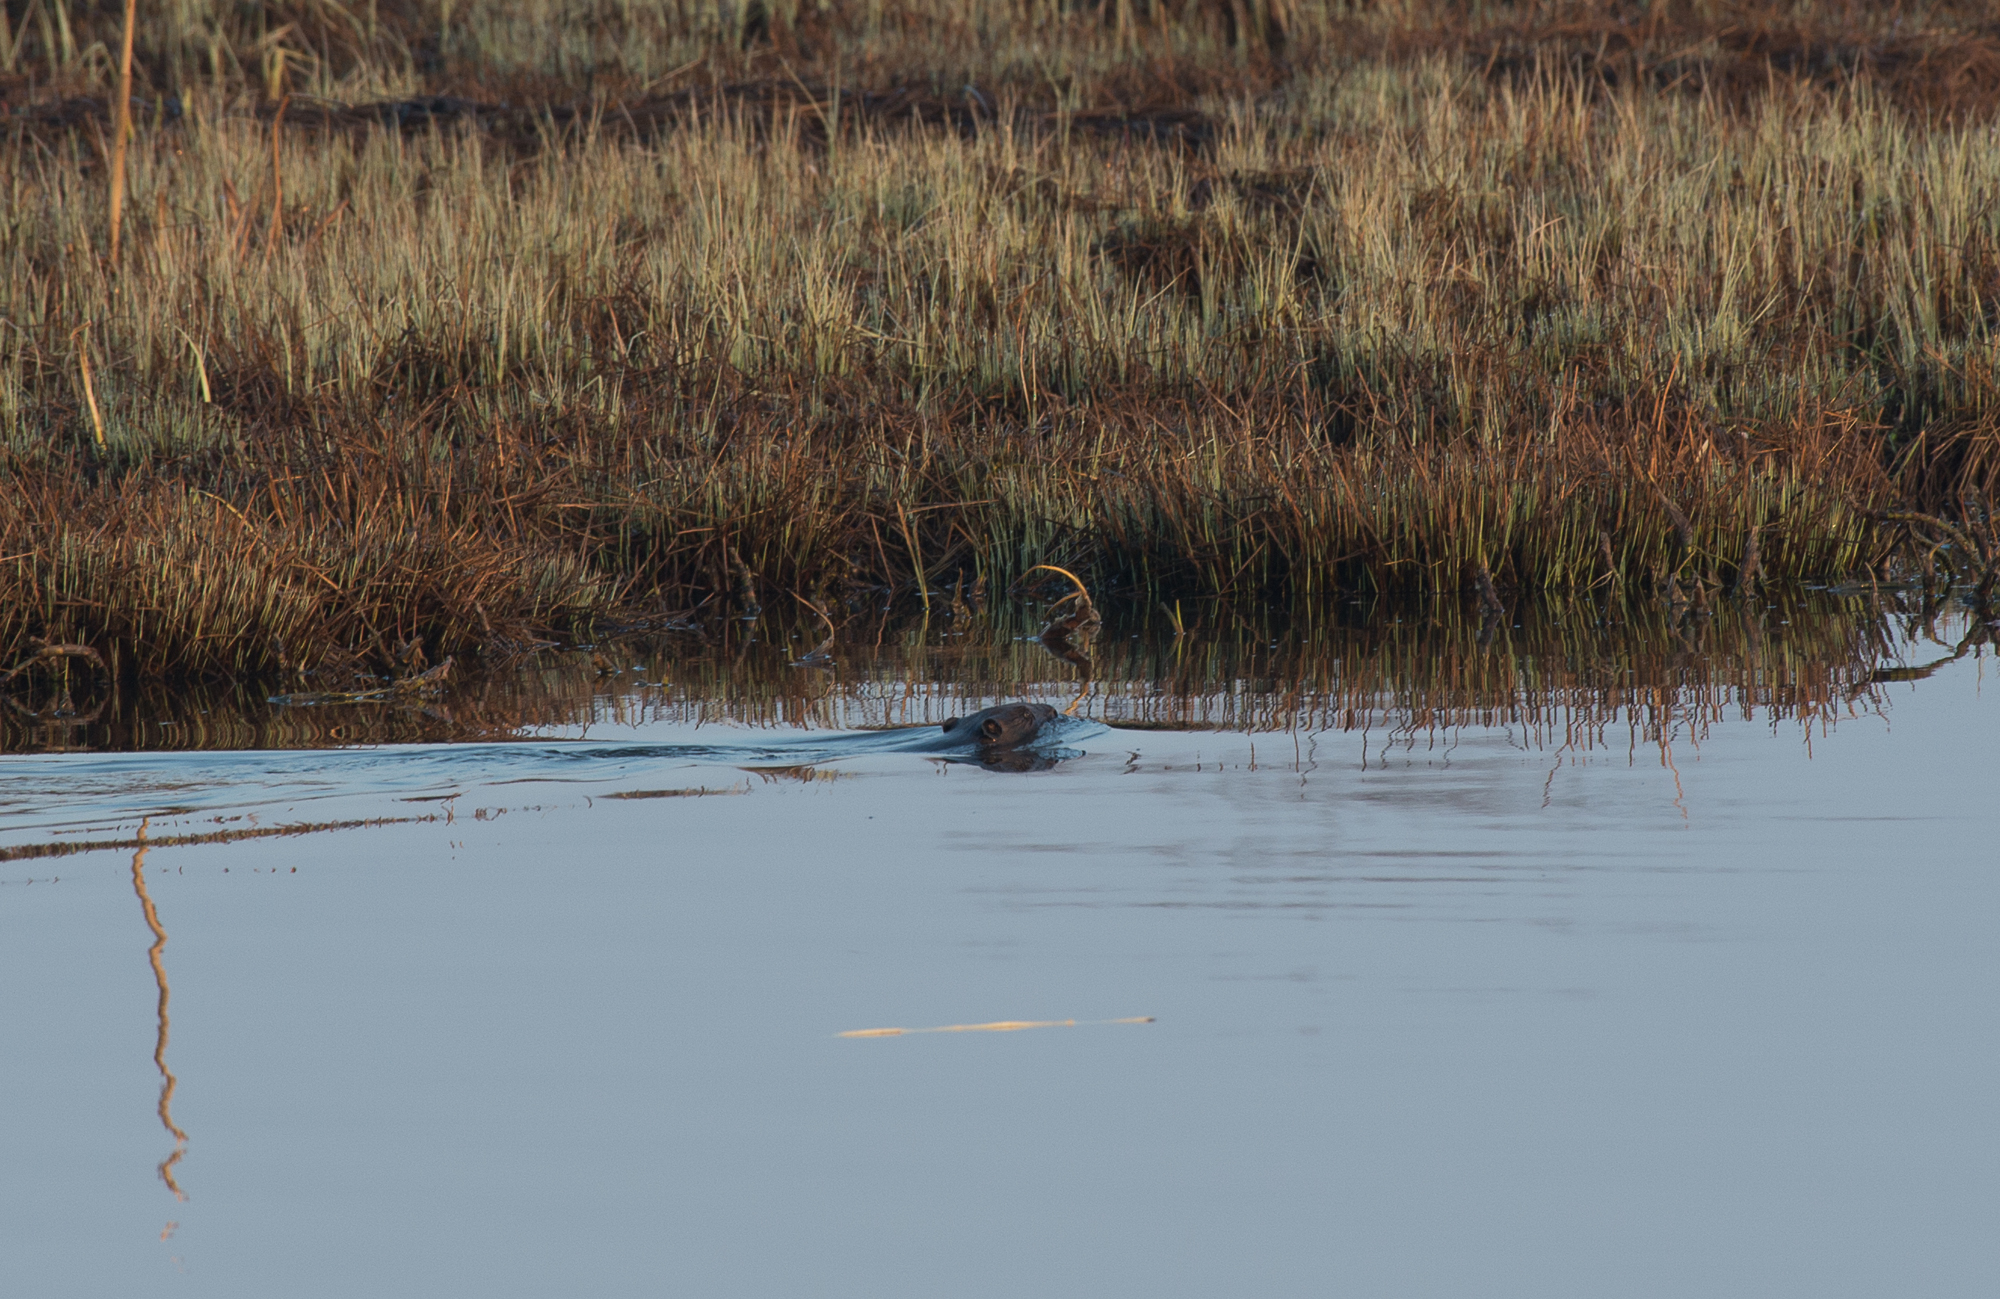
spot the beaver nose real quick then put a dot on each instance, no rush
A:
(951, 722)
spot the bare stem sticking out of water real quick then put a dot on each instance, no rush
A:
(1078, 622)
(817, 656)
(1068, 634)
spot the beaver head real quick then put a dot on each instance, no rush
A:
(1000, 728)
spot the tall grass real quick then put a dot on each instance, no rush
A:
(737, 303)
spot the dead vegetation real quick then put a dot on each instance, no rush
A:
(1600, 670)
(464, 325)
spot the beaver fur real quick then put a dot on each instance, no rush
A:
(1004, 726)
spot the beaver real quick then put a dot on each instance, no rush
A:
(1002, 738)
(1004, 726)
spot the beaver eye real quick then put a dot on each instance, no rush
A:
(991, 728)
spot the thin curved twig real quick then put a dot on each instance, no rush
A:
(44, 653)
(816, 656)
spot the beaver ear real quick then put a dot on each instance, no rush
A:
(991, 728)
(949, 724)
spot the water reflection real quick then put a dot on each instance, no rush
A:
(1483, 987)
(1572, 674)
(156, 954)
(997, 1026)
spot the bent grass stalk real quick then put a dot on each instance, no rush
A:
(80, 339)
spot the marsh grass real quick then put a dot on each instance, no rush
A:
(469, 323)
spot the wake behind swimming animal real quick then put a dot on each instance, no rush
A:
(1007, 737)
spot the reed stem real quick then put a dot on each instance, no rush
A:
(121, 134)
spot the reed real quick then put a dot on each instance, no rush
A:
(1577, 675)
(471, 323)
(121, 119)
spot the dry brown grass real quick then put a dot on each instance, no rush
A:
(468, 324)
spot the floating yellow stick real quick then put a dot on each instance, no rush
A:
(997, 1026)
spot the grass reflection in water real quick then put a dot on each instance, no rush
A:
(155, 955)
(1560, 673)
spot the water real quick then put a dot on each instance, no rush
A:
(1579, 959)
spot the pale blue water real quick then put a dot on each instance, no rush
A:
(1466, 1015)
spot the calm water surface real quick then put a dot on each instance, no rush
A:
(1593, 960)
